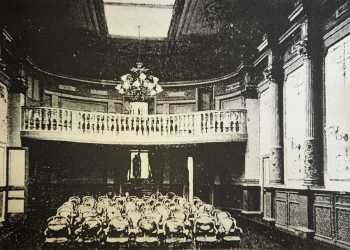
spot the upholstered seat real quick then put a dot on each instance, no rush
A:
(58, 230)
(147, 221)
(117, 230)
(204, 229)
(90, 231)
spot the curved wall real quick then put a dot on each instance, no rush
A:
(52, 90)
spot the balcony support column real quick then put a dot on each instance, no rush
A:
(190, 177)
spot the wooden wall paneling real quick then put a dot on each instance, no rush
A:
(281, 208)
(342, 219)
(323, 216)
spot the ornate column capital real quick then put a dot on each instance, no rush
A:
(303, 48)
(273, 73)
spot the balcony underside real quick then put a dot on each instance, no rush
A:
(132, 139)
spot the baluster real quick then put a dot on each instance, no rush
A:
(180, 124)
(106, 123)
(161, 119)
(151, 126)
(55, 120)
(25, 118)
(102, 127)
(221, 123)
(98, 123)
(227, 122)
(111, 123)
(157, 124)
(142, 124)
(44, 119)
(36, 119)
(177, 125)
(122, 124)
(173, 125)
(217, 121)
(59, 119)
(87, 122)
(49, 119)
(168, 125)
(31, 119)
(211, 122)
(232, 122)
(134, 124)
(146, 125)
(70, 120)
(41, 112)
(202, 123)
(126, 124)
(82, 122)
(141, 118)
(115, 124)
(189, 126)
(94, 123)
(185, 126)
(103, 123)
(119, 124)
(65, 120)
(138, 125)
(78, 123)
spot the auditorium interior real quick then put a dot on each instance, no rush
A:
(187, 124)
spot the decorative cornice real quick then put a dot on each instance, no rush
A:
(164, 84)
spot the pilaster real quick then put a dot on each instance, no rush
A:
(310, 49)
(275, 76)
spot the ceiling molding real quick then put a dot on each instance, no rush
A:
(140, 5)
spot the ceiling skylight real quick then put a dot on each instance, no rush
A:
(124, 16)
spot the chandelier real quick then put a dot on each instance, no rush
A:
(139, 84)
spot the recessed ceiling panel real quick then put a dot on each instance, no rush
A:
(124, 17)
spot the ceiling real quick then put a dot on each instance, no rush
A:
(180, 39)
(125, 16)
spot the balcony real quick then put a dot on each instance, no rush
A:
(47, 123)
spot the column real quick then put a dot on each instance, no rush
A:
(312, 144)
(310, 50)
(190, 178)
(275, 78)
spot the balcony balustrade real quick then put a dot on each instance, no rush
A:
(197, 127)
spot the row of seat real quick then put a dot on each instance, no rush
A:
(150, 220)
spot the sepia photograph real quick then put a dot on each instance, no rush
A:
(175, 124)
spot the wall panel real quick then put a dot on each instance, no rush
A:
(83, 105)
(295, 115)
(266, 118)
(337, 128)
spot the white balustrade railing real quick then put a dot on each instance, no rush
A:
(212, 122)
